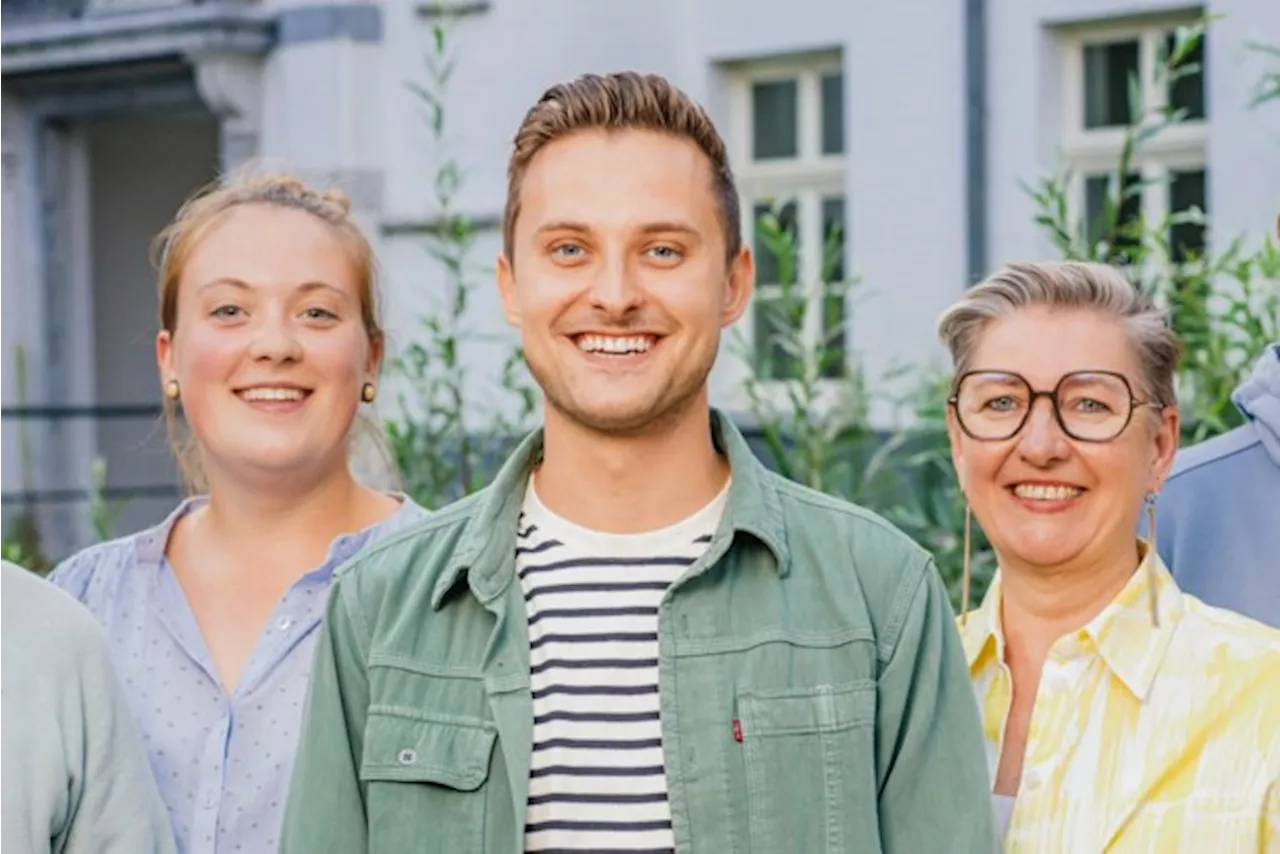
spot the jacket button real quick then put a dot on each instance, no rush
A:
(408, 756)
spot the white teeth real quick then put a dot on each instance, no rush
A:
(613, 344)
(1042, 492)
(271, 394)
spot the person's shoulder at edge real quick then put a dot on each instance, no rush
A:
(407, 514)
(866, 562)
(864, 529)
(1194, 458)
(112, 557)
(1252, 651)
(401, 553)
(116, 804)
(109, 558)
(1232, 633)
(41, 602)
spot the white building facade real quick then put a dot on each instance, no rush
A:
(906, 131)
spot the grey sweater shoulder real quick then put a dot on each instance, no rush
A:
(75, 775)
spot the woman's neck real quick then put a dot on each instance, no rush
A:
(288, 527)
(1039, 604)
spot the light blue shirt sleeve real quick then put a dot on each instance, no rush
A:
(75, 775)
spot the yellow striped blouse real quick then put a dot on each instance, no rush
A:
(1143, 739)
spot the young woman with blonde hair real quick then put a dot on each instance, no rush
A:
(269, 345)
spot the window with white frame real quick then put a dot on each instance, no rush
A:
(787, 147)
(1111, 78)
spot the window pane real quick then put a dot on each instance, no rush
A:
(833, 310)
(775, 325)
(773, 119)
(833, 114)
(1107, 69)
(778, 310)
(1121, 234)
(1187, 91)
(833, 330)
(833, 239)
(1186, 190)
(776, 247)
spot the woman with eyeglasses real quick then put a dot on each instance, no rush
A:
(1120, 714)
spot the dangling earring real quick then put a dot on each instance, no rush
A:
(964, 581)
(368, 393)
(1150, 559)
(171, 390)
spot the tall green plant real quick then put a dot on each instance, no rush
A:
(13, 551)
(809, 402)
(21, 543)
(926, 501)
(103, 512)
(814, 420)
(1224, 300)
(1268, 88)
(1223, 303)
(450, 435)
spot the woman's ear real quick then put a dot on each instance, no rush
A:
(1167, 435)
(956, 438)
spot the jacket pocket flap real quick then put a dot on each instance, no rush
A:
(824, 708)
(409, 747)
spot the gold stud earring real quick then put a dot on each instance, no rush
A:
(171, 390)
(368, 392)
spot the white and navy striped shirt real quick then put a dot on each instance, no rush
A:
(597, 781)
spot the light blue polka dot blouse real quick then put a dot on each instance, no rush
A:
(222, 761)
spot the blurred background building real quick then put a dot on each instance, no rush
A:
(908, 129)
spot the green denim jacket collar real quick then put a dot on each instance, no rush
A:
(487, 544)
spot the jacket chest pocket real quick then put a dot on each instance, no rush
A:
(425, 782)
(809, 756)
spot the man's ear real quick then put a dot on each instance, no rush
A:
(739, 287)
(507, 289)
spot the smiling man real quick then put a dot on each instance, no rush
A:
(637, 638)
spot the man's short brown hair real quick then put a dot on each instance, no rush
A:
(624, 100)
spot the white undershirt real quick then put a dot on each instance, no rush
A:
(597, 779)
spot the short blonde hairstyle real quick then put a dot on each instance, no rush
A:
(1077, 285)
(625, 100)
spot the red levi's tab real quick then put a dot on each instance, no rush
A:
(737, 731)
